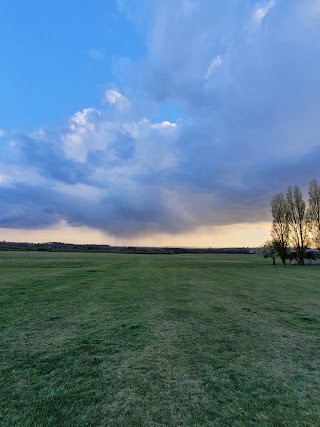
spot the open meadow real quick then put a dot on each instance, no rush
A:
(107, 340)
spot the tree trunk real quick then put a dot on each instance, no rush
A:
(301, 259)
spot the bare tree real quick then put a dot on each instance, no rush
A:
(314, 211)
(299, 221)
(280, 225)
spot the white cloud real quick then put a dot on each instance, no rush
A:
(2, 133)
(96, 54)
(215, 63)
(81, 119)
(81, 124)
(118, 139)
(261, 12)
(116, 98)
(164, 125)
(38, 134)
(112, 96)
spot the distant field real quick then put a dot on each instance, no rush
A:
(108, 340)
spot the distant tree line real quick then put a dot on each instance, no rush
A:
(295, 224)
(71, 247)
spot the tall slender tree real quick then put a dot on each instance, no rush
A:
(299, 221)
(314, 211)
(280, 225)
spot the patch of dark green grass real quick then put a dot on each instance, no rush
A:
(133, 340)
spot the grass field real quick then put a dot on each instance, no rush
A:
(146, 340)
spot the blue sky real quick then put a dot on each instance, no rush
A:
(154, 120)
(58, 57)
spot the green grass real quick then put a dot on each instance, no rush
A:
(144, 340)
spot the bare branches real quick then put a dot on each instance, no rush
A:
(294, 223)
(280, 225)
(298, 221)
(314, 212)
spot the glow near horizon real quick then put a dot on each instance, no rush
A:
(242, 235)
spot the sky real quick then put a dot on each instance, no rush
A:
(155, 122)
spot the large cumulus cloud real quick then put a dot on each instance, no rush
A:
(241, 79)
